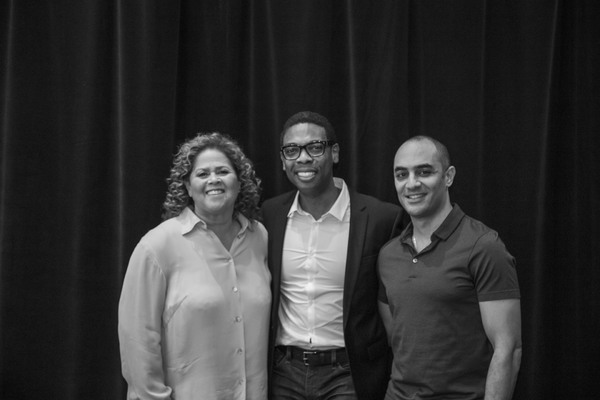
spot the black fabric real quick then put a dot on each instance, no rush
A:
(94, 97)
(314, 358)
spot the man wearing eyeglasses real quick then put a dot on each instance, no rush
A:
(327, 339)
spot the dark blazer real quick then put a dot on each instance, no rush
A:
(372, 224)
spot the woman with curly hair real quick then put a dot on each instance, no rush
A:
(194, 308)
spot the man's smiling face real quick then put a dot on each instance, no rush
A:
(420, 179)
(310, 175)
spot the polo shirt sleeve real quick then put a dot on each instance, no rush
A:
(493, 269)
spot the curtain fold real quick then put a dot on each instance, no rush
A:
(95, 97)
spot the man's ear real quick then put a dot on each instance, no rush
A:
(282, 161)
(335, 153)
(449, 175)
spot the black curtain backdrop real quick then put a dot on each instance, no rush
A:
(95, 96)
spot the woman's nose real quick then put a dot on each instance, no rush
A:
(213, 178)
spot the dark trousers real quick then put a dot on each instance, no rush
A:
(297, 379)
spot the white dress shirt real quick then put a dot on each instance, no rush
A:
(193, 317)
(312, 275)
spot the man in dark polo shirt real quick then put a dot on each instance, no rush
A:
(449, 294)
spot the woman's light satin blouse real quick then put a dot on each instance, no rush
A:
(193, 317)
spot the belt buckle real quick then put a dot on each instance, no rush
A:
(305, 355)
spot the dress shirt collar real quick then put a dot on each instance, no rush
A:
(444, 230)
(337, 210)
(189, 220)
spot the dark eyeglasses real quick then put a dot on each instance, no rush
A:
(315, 148)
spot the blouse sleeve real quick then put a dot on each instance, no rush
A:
(140, 319)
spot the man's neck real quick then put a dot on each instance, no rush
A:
(319, 204)
(424, 227)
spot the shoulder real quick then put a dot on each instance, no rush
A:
(373, 204)
(258, 229)
(280, 200)
(273, 207)
(393, 247)
(479, 232)
(485, 240)
(159, 236)
(151, 251)
(165, 228)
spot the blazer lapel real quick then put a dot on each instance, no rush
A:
(276, 236)
(358, 228)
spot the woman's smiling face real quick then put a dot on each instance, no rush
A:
(213, 185)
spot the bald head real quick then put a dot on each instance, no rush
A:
(441, 151)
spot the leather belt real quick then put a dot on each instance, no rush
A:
(314, 358)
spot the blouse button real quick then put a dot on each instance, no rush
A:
(415, 261)
(240, 351)
(238, 319)
(235, 289)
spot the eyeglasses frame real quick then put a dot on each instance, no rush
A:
(326, 143)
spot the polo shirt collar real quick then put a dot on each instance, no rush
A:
(337, 210)
(450, 223)
(189, 220)
(444, 230)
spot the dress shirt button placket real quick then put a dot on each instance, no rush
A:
(311, 272)
(237, 318)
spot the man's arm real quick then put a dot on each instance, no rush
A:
(502, 323)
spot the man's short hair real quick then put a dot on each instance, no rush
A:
(310, 117)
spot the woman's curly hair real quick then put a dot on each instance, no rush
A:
(177, 195)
